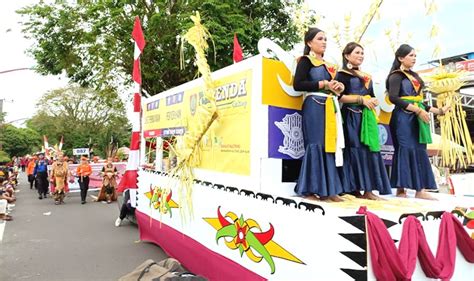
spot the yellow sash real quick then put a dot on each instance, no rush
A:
(330, 126)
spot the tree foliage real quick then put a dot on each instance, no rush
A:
(83, 118)
(90, 41)
(19, 141)
(4, 157)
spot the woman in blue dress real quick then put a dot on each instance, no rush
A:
(409, 126)
(321, 170)
(363, 165)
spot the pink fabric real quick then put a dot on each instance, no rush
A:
(391, 264)
(194, 256)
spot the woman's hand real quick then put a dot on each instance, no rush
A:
(424, 115)
(445, 109)
(336, 87)
(370, 103)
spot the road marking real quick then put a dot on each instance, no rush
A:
(2, 229)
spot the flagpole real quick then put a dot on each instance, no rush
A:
(130, 177)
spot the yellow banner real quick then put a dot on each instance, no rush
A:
(165, 114)
(226, 146)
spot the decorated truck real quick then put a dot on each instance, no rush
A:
(243, 219)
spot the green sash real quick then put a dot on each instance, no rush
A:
(369, 132)
(424, 128)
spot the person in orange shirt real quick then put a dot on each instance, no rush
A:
(30, 170)
(83, 171)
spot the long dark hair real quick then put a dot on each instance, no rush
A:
(402, 52)
(347, 51)
(308, 36)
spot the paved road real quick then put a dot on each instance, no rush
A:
(75, 242)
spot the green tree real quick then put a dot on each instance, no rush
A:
(83, 118)
(90, 41)
(19, 141)
(4, 157)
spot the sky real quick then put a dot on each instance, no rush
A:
(453, 17)
(22, 89)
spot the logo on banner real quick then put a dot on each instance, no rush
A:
(247, 236)
(383, 134)
(386, 144)
(293, 144)
(159, 201)
(193, 104)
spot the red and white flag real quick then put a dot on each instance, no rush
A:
(238, 54)
(46, 146)
(130, 177)
(61, 142)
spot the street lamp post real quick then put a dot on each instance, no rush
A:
(15, 69)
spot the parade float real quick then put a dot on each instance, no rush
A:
(231, 213)
(226, 207)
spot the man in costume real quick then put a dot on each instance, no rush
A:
(109, 183)
(59, 174)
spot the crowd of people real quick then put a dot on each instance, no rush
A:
(51, 177)
(8, 183)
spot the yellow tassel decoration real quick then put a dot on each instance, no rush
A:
(456, 143)
(187, 147)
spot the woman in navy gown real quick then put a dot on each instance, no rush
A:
(363, 165)
(320, 174)
(409, 126)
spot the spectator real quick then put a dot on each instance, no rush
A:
(3, 210)
(23, 163)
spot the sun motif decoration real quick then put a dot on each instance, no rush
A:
(159, 200)
(247, 236)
